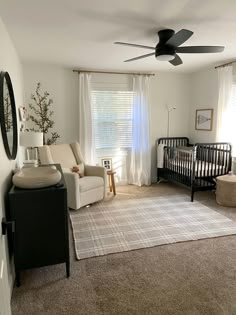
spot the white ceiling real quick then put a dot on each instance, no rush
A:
(80, 33)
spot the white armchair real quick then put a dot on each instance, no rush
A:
(81, 191)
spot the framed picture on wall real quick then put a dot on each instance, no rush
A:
(107, 163)
(203, 120)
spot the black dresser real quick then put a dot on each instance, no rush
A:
(40, 221)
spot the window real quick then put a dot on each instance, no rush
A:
(112, 113)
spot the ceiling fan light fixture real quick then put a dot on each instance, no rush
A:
(165, 57)
(170, 45)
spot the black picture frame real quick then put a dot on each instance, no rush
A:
(10, 149)
(107, 163)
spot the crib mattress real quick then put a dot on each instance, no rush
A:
(202, 168)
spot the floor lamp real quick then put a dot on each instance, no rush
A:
(168, 119)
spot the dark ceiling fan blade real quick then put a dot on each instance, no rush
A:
(177, 61)
(134, 45)
(179, 38)
(140, 57)
(199, 49)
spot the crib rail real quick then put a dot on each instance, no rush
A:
(174, 141)
(211, 159)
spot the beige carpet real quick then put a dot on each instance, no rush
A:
(187, 278)
(117, 226)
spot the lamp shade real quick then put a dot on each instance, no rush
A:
(31, 139)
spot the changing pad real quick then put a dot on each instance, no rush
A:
(36, 177)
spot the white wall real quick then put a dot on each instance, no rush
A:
(9, 62)
(204, 95)
(172, 90)
(165, 89)
(61, 84)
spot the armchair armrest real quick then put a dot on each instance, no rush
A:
(72, 184)
(91, 170)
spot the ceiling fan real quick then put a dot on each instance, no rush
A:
(168, 47)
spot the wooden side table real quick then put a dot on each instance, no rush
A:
(112, 185)
(226, 190)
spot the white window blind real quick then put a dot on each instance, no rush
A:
(112, 113)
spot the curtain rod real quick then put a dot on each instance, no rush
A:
(226, 64)
(112, 72)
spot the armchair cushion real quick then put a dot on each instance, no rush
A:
(63, 154)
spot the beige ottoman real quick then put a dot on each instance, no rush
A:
(226, 190)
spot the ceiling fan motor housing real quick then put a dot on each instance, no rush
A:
(162, 48)
(164, 35)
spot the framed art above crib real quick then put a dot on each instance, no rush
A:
(203, 119)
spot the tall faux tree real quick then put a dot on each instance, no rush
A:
(41, 115)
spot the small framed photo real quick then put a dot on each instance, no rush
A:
(23, 114)
(203, 120)
(107, 163)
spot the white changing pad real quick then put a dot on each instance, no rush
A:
(36, 177)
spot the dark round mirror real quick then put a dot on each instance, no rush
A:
(8, 118)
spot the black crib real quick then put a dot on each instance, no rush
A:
(194, 166)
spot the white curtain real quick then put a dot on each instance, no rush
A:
(225, 120)
(86, 128)
(140, 168)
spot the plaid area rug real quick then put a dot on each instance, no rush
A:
(123, 225)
